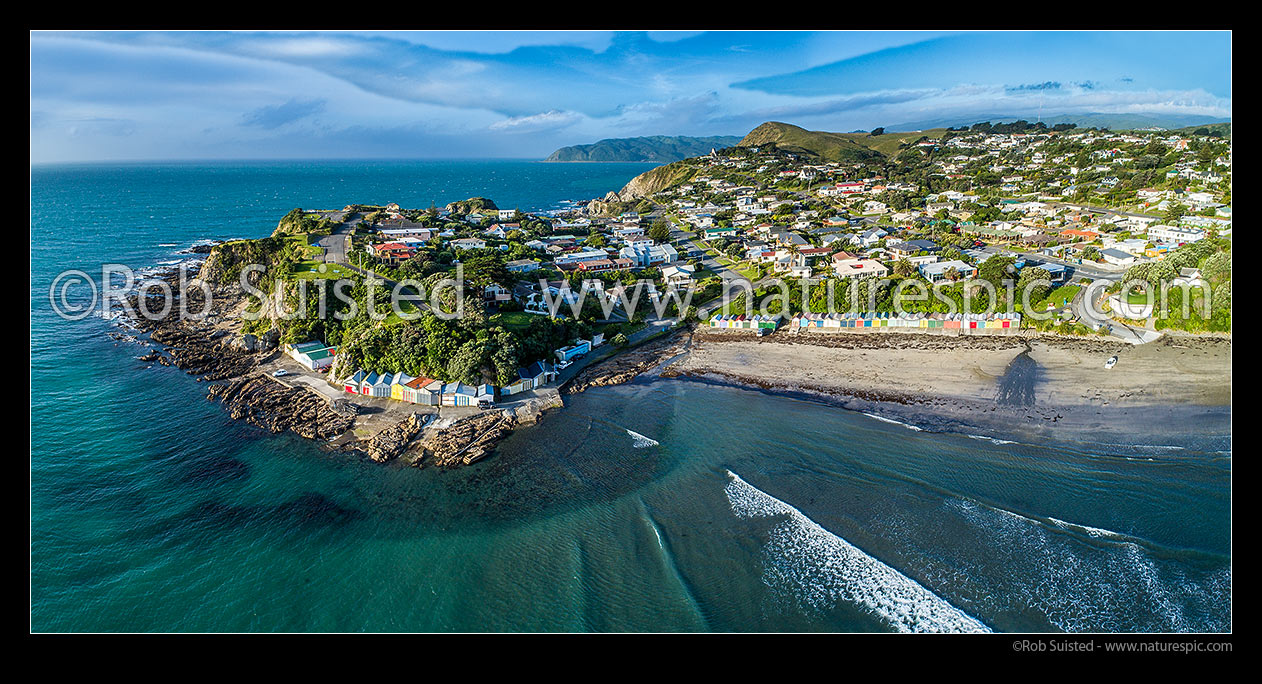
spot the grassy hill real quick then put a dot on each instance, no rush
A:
(834, 147)
(1222, 129)
(658, 148)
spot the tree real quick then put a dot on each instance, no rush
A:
(877, 131)
(659, 231)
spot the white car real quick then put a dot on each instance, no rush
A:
(280, 373)
(1109, 364)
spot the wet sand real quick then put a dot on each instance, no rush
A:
(996, 385)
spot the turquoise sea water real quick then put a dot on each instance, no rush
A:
(728, 509)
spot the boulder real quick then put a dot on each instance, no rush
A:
(269, 340)
(245, 343)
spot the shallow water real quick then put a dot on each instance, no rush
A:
(660, 505)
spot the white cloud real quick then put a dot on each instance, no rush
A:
(544, 121)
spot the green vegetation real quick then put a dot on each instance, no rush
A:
(836, 147)
(297, 222)
(471, 205)
(656, 148)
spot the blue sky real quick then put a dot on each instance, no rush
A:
(460, 94)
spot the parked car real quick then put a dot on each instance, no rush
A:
(280, 373)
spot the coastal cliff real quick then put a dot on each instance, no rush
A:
(655, 148)
(642, 187)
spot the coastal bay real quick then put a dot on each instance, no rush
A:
(153, 509)
(963, 383)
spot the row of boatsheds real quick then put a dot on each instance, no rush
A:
(431, 392)
(963, 323)
(743, 322)
(418, 390)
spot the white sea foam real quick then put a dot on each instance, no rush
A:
(891, 420)
(1097, 532)
(822, 569)
(1079, 588)
(639, 441)
(992, 440)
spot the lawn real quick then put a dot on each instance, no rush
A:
(310, 270)
(395, 319)
(1063, 293)
(305, 248)
(513, 320)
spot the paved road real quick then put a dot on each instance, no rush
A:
(1086, 306)
(606, 350)
(335, 251)
(1088, 270)
(334, 243)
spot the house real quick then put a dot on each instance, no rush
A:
(600, 265)
(355, 383)
(392, 253)
(712, 233)
(938, 270)
(496, 293)
(869, 238)
(469, 243)
(677, 275)
(418, 232)
(1074, 233)
(556, 292)
(650, 255)
(846, 265)
(1117, 257)
(1190, 277)
(1175, 234)
(577, 257)
(522, 265)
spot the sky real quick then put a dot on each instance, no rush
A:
(98, 96)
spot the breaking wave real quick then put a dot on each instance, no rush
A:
(822, 569)
(1124, 584)
(639, 441)
(891, 420)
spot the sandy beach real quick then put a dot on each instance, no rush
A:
(991, 383)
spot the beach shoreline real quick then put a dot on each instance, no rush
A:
(968, 385)
(1018, 387)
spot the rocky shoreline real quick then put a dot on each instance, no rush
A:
(230, 362)
(628, 365)
(957, 378)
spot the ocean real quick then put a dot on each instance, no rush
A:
(660, 505)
